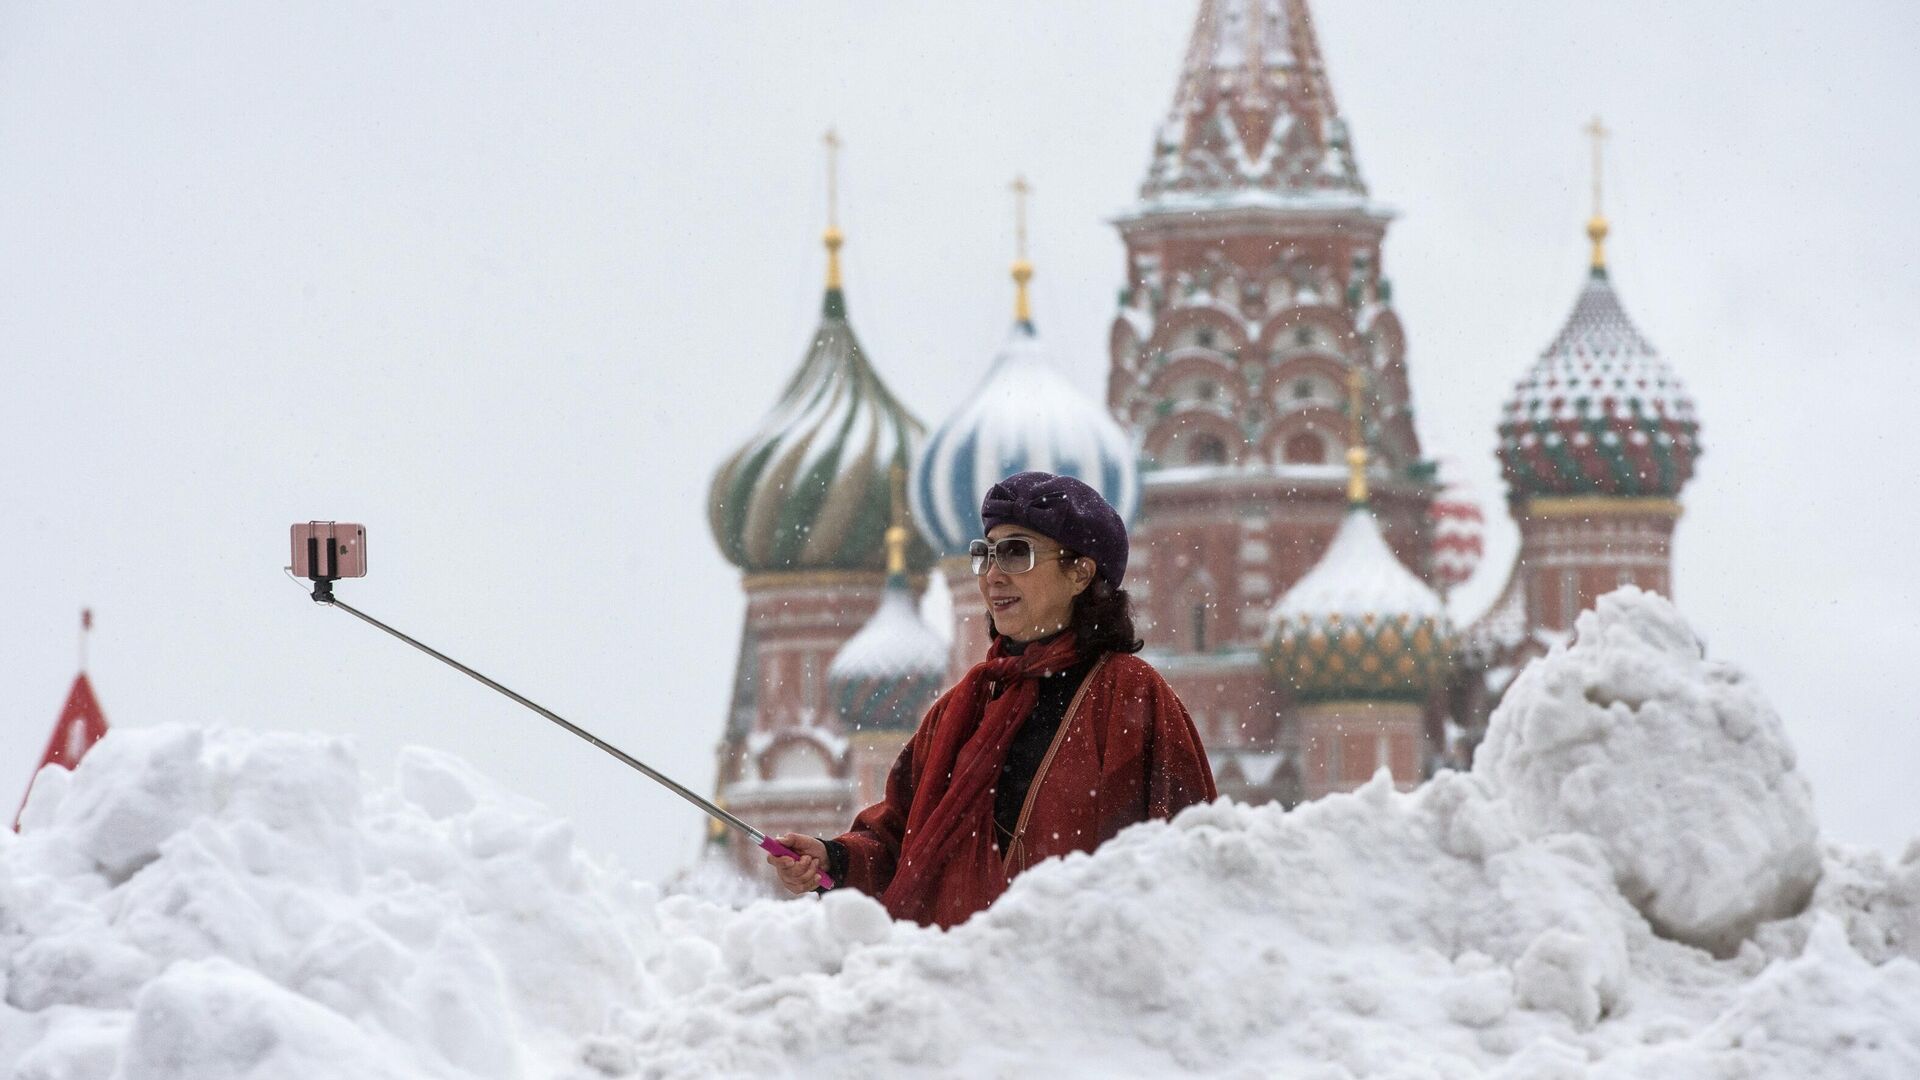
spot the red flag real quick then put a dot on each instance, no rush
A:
(81, 724)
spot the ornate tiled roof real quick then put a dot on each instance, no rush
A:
(1359, 625)
(1600, 413)
(1253, 120)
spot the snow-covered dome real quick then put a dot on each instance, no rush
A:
(810, 489)
(1359, 625)
(1600, 413)
(887, 674)
(1024, 415)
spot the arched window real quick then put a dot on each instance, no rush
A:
(1192, 610)
(1207, 450)
(1306, 448)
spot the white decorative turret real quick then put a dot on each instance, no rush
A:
(887, 674)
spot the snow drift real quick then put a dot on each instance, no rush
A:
(1629, 884)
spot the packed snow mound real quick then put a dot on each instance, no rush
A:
(1674, 763)
(219, 904)
(226, 904)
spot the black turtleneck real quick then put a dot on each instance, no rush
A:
(1030, 742)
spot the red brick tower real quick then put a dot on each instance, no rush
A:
(1254, 285)
(1596, 442)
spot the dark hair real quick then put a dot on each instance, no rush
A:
(1101, 620)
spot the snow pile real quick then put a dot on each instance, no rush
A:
(226, 904)
(1674, 763)
(231, 905)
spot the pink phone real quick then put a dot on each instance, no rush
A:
(329, 549)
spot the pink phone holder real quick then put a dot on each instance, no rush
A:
(775, 847)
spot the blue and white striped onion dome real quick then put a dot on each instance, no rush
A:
(812, 489)
(886, 675)
(1359, 625)
(1024, 415)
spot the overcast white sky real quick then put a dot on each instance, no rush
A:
(507, 285)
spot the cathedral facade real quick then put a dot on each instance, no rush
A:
(1292, 543)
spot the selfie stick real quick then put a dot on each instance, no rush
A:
(323, 593)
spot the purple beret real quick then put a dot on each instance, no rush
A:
(1063, 509)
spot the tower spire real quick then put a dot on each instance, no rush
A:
(836, 303)
(897, 531)
(1357, 441)
(1254, 111)
(1022, 269)
(1597, 225)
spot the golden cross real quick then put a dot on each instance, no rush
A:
(1022, 269)
(897, 535)
(1599, 133)
(832, 140)
(897, 492)
(1020, 192)
(1356, 401)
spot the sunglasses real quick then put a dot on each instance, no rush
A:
(1015, 554)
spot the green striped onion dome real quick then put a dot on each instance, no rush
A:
(1600, 413)
(1359, 625)
(812, 489)
(885, 676)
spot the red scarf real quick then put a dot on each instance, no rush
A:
(950, 824)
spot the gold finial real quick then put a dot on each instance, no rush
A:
(897, 534)
(832, 235)
(1597, 225)
(1022, 269)
(1357, 442)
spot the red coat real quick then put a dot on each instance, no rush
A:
(1125, 751)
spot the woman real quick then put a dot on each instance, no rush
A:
(1057, 741)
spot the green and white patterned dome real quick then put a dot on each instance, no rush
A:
(1600, 413)
(811, 489)
(1359, 625)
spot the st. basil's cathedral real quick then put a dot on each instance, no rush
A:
(1292, 545)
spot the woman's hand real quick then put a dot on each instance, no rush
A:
(803, 874)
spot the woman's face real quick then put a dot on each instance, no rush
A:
(1030, 606)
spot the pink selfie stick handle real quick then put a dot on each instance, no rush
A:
(775, 847)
